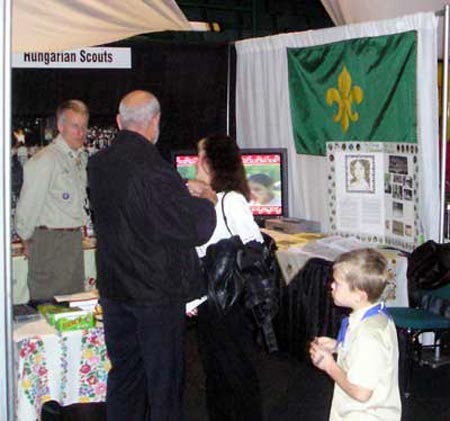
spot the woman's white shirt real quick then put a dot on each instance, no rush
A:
(239, 218)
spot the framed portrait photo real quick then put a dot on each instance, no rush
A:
(360, 174)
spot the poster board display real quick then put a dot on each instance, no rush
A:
(374, 192)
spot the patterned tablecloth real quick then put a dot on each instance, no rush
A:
(68, 367)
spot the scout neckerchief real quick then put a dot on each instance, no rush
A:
(373, 311)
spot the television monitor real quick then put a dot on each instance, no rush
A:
(266, 170)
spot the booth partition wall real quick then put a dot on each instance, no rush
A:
(190, 81)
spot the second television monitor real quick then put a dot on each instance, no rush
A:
(266, 171)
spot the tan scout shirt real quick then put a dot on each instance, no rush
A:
(369, 356)
(54, 189)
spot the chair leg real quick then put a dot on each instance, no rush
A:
(437, 348)
(406, 350)
(438, 358)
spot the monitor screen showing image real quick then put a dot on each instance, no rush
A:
(185, 164)
(266, 171)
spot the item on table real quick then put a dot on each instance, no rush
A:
(86, 300)
(25, 313)
(16, 249)
(98, 313)
(66, 318)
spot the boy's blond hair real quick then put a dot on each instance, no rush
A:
(366, 270)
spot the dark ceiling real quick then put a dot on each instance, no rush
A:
(241, 19)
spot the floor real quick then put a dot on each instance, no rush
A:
(292, 390)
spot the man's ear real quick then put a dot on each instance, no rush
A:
(155, 120)
(119, 123)
(59, 126)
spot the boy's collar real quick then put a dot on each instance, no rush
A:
(359, 313)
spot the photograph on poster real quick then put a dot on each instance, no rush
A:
(397, 209)
(408, 182)
(387, 188)
(398, 164)
(387, 183)
(397, 191)
(398, 179)
(397, 227)
(360, 171)
(408, 230)
(407, 194)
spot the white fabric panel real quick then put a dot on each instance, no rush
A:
(263, 113)
(355, 11)
(51, 25)
(344, 12)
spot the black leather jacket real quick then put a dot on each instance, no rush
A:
(146, 223)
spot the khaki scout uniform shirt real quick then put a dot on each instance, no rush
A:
(54, 189)
(369, 356)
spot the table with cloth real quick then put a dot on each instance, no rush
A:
(306, 306)
(67, 367)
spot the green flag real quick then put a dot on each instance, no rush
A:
(362, 89)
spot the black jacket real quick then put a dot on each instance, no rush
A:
(146, 223)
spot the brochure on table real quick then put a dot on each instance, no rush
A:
(374, 192)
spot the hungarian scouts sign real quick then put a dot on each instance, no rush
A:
(83, 58)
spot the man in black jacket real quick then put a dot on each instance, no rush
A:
(147, 225)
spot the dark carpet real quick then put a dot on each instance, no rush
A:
(292, 390)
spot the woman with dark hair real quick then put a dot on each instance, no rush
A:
(225, 340)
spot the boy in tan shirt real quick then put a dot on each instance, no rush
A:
(366, 370)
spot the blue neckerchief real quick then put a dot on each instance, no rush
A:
(373, 311)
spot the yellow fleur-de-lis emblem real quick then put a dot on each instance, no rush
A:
(345, 95)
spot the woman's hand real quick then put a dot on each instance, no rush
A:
(199, 188)
(196, 187)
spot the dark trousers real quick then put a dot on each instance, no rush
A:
(226, 348)
(146, 346)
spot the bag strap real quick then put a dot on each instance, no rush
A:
(223, 213)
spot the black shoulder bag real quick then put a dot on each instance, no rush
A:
(256, 263)
(224, 280)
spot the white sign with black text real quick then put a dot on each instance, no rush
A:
(82, 58)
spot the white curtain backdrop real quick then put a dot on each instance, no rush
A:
(263, 116)
(51, 25)
(344, 12)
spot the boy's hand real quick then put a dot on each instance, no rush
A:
(329, 344)
(320, 356)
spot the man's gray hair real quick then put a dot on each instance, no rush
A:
(74, 105)
(139, 115)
